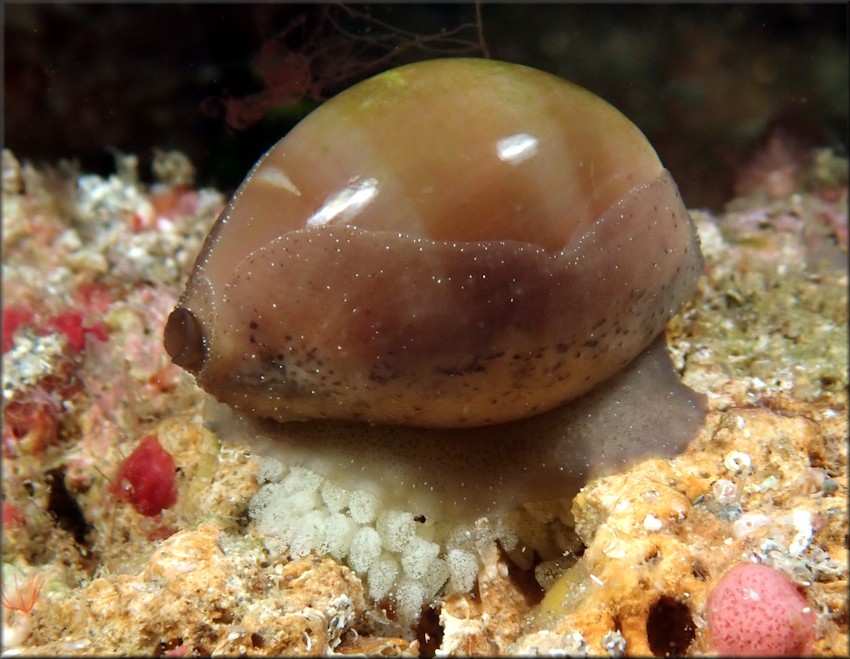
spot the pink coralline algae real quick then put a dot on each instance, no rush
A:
(146, 478)
(755, 610)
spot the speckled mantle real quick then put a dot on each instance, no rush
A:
(766, 479)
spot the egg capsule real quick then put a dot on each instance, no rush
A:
(453, 243)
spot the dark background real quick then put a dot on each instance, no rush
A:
(706, 83)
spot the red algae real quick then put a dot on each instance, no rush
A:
(13, 318)
(12, 516)
(68, 322)
(146, 478)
